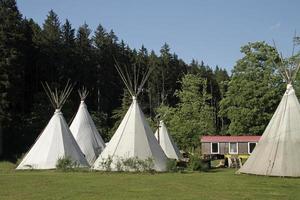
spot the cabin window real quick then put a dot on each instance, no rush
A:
(251, 146)
(233, 147)
(214, 148)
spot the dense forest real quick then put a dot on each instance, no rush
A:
(194, 99)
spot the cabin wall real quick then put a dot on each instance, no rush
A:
(243, 147)
(224, 148)
(205, 148)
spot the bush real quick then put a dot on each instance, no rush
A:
(106, 164)
(7, 166)
(172, 165)
(197, 164)
(119, 166)
(19, 159)
(147, 165)
(66, 164)
(129, 164)
(136, 164)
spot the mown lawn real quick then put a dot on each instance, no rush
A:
(218, 184)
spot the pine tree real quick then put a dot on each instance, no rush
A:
(100, 37)
(171, 69)
(50, 61)
(12, 69)
(10, 54)
(222, 79)
(86, 67)
(68, 34)
(51, 29)
(68, 51)
(107, 53)
(83, 40)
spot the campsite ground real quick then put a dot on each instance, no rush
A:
(216, 184)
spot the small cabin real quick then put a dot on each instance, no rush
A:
(227, 146)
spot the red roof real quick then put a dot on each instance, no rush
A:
(250, 138)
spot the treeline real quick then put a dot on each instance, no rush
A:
(55, 52)
(194, 99)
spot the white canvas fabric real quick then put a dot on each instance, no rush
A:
(86, 134)
(56, 141)
(133, 138)
(277, 152)
(166, 142)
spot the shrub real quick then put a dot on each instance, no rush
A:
(172, 165)
(65, 164)
(119, 166)
(136, 164)
(19, 159)
(106, 163)
(129, 164)
(6, 166)
(197, 164)
(147, 165)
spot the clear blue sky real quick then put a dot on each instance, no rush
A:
(208, 30)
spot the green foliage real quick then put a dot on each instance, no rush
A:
(101, 120)
(119, 166)
(66, 164)
(193, 115)
(11, 55)
(106, 164)
(137, 165)
(172, 165)
(51, 29)
(13, 62)
(196, 163)
(255, 90)
(119, 113)
(294, 60)
(6, 167)
(147, 165)
(56, 52)
(132, 164)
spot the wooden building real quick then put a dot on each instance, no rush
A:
(240, 147)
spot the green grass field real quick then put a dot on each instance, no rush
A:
(217, 184)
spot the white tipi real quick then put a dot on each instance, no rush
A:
(56, 141)
(134, 137)
(166, 142)
(277, 152)
(85, 131)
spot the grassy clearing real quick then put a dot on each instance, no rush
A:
(217, 184)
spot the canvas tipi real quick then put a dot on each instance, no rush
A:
(56, 141)
(134, 137)
(85, 131)
(277, 152)
(166, 142)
